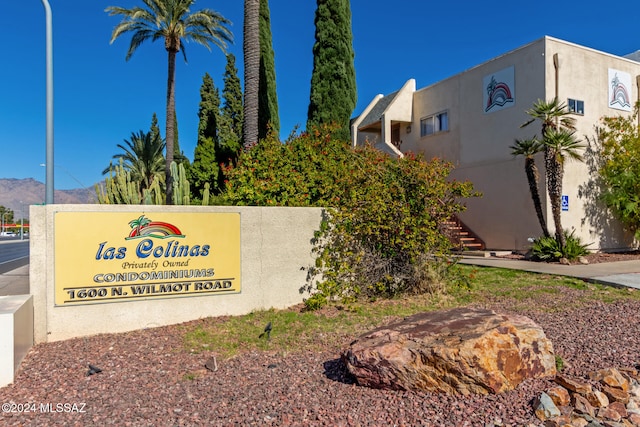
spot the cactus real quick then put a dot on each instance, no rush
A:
(205, 194)
(181, 186)
(154, 195)
(119, 189)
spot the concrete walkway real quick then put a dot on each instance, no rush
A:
(15, 282)
(622, 273)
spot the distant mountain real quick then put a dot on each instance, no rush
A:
(18, 194)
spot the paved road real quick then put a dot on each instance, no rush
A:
(14, 253)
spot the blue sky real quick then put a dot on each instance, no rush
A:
(100, 99)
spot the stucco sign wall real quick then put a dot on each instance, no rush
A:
(110, 257)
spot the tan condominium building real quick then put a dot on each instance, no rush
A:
(473, 118)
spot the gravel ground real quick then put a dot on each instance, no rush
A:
(612, 257)
(148, 378)
(595, 257)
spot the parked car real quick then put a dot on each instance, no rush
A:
(8, 234)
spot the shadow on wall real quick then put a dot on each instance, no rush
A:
(600, 219)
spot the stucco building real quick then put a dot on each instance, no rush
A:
(471, 120)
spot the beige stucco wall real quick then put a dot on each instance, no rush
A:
(477, 143)
(361, 138)
(583, 75)
(276, 249)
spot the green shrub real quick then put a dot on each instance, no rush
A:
(382, 235)
(310, 169)
(618, 148)
(548, 248)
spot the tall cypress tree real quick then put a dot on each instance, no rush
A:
(267, 96)
(231, 120)
(205, 167)
(333, 81)
(155, 129)
(178, 154)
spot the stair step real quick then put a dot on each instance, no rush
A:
(461, 236)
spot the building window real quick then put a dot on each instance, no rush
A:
(576, 106)
(434, 124)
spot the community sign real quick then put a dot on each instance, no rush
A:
(105, 257)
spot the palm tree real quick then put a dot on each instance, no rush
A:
(142, 157)
(560, 144)
(553, 116)
(173, 22)
(142, 221)
(251, 48)
(529, 148)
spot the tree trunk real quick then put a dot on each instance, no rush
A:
(554, 183)
(532, 177)
(170, 120)
(251, 48)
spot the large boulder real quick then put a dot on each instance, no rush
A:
(457, 351)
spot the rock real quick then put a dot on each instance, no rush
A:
(616, 394)
(564, 261)
(211, 364)
(559, 395)
(635, 390)
(612, 402)
(597, 399)
(632, 407)
(457, 351)
(544, 407)
(619, 408)
(611, 377)
(582, 405)
(583, 260)
(572, 384)
(634, 419)
(609, 414)
(629, 373)
(579, 422)
(559, 421)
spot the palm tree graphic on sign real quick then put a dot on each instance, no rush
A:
(145, 227)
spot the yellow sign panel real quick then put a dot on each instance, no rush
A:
(107, 257)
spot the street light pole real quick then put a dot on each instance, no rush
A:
(21, 221)
(49, 63)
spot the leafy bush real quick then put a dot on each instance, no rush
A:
(619, 168)
(548, 248)
(383, 232)
(311, 169)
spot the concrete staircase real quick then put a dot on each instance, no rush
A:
(461, 236)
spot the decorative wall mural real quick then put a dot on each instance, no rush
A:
(619, 90)
(499, 90)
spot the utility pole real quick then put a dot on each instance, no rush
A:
(49, 145)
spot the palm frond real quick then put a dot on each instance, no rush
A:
(526, 147)
(563, 144)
